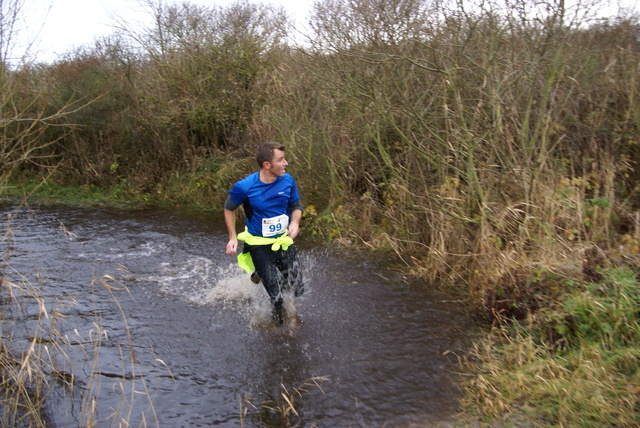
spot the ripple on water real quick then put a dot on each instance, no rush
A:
(167, 328)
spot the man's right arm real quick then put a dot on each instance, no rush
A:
(230, 221)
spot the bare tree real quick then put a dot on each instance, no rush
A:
(24, 112)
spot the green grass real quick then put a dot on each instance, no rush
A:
(49, 191)
(577, 364)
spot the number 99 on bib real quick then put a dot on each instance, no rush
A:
(274, 225)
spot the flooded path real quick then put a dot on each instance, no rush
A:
(163, 329)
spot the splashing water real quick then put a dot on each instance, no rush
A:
(235, 288)
(386, 345)
(234, 285)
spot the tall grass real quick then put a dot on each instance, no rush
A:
(479, 150)
(490, 149)
(576, 364)
(477, 145)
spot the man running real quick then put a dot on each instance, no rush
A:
(272, 209)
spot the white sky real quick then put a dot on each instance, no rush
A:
(69, 23)
(56, 26)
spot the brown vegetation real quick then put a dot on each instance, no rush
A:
(482, 148)
(492, 149)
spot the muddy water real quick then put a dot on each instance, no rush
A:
(160, 328)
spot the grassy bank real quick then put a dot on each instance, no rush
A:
(46, 190)
(574, 363)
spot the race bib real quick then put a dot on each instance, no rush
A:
(274, 225)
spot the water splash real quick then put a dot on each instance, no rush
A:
(234, 285)
(261, 315)
(235, 289)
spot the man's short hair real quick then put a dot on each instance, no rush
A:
(265, 151)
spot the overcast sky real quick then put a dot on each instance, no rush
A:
(56, 26)
(63, 24)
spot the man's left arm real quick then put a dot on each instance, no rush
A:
(294, 223)
(295, 208)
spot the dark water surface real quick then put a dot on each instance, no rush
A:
(163, 329)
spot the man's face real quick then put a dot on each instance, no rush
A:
(278, 164)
